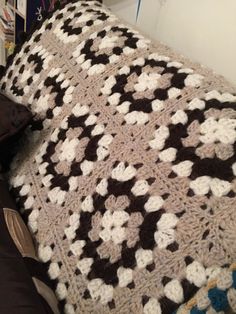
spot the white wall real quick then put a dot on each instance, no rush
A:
(203, 30)
(126, 9)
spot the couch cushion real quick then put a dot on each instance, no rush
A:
(128, 177)
(20, 293)
(13, 119)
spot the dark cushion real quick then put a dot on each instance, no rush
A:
(23, 284)
(13, 119)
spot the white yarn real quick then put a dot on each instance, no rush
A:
(77, 52)
(167, 221)
(196, 104)
(73, 183)
(42, 104)
(143, 257)
(164, 237)
(91, 120)
(74, 219)
(114, 58)
(147, 82)
(86, 167)
(79, 110)
(57, 196)
(69, 309)
(106, 294)
(140, 61)
(86, 65)
(70, 232)
(54, 135)
(77, 247)
(84, 265)
(33, 220)
(142, 44)
(87, 204)
(25, 75)
(183, 169)
(136, 117)
(128, 50)
(124, 70)
(96, 69)
(108, 42)
(196, 274)
(64, 123)
(24, 190)
(102, 153)
(54, 271)
(98, 129)
(37, 49)
(99, 290)
(154, 203)
(224, 279)
(112, 226)
(61, 291)
(174, 64)
(105, 141)
(109, 83)
(123, 173)
(174, 92)
(157, 105)
(193, 80)
(201, 185)
(223, 130)
(45, 253)
(185, 70)
(68, 149)
(124, 107)
(125, 276)
(212, 272)
(168, 155)
(18, 180)
(101, 188)
(85, 17)
(226, 97)
(234, 168)
(47, 61)
(47, 180)
(152, 307)
(160, 135)
(179, 117)
(29, 202)
(140, 187)
(68, 95)
(119, 218)
(61, 78)
(174, 291)
(220, 187)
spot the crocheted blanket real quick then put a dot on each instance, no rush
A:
(127, 175)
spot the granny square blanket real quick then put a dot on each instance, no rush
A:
(127, 177)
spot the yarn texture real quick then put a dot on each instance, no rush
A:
(127, 177)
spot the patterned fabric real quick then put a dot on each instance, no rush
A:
(219, 294)
(127, 177)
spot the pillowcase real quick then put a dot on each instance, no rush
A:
(14, 118)
(23, 284)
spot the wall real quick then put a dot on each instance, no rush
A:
(203, 30)
(126, 9)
